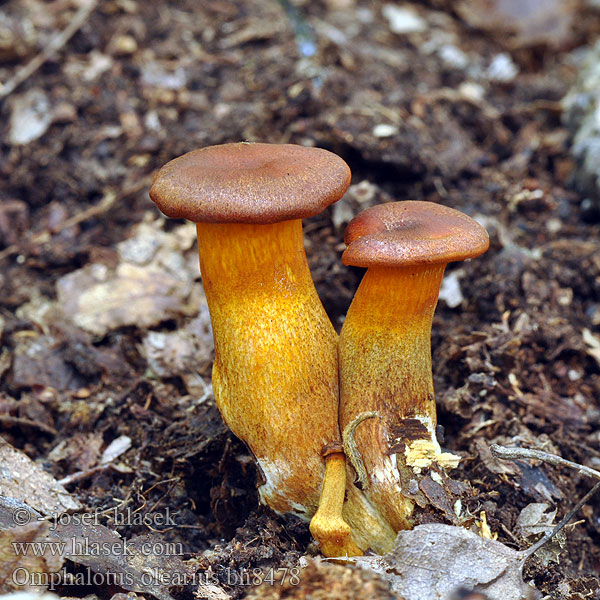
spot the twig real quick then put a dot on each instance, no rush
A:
(351, 449)
(9, 420)
(45, 236)
(75, 477)
(109, 199)
(55, 44)
(517, 453)
(533, 549)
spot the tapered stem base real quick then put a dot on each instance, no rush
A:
(275, 376)
(328, 526)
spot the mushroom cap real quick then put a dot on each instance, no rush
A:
(412, 233)
(250, 183)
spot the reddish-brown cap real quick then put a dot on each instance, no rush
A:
(250, 183)
(412, 233)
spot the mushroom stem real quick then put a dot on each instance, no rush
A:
(385, 366)
(328, 526)
(275, 373)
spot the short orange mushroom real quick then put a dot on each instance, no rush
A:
(275, 375)
(328, 525)
(385, 347)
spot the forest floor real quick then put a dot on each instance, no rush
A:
(106, 350)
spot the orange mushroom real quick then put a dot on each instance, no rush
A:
(275, 375)
(328, 525)
(387, 405)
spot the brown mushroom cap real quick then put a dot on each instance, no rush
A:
(250, 183)
(412, 233)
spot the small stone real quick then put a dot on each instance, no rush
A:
(385, 130)
(502, 68)
(123, 45)
(554, 225)
(153, 73)
(471, 91)
(30, 117)
(403, 20)
(64, 112)
(453, 57)
(450, 291)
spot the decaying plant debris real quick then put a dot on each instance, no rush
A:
(435, 100)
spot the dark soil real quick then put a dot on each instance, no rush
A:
(141, 83)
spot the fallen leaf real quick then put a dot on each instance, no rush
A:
(27, 561)
(522, 23)
(210, 591)
(117, 447)
(146, 564)
(536, 520)
(319, 579)
(492, 464)
(82, 450)
(38, 360)
(182, 351)
(152, 283)
(431, 561)
(32, 595)
(22, 479)
(98, 300)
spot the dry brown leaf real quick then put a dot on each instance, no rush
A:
(321, 580)
(82, 451)
(22, 479)
(152, 283)
(182, 351)
(526, 22)
(536, 520)
(99, 300)
(27, 560)
(431, 561)
(494, 465)
(36, 361)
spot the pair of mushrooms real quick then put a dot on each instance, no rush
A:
(303, 400)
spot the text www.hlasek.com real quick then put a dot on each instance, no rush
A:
(84, 547)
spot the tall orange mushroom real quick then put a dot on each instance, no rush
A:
(275, 376)
(387, 398)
